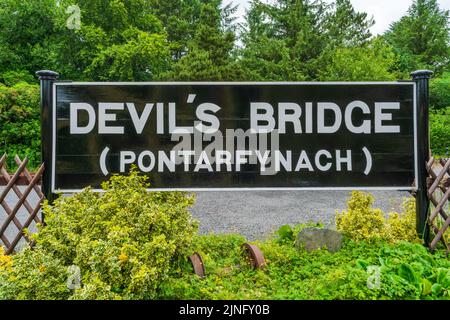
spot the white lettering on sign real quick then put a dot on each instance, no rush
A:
(262, 117)
(242, 147)
(322, 160)
(139, 121)
(266, 116)
(75, 109)
(381, 116)
(105, 116)
(329, 118)
(365, 126)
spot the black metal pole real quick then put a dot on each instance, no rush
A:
(421, 78)
(47, 78)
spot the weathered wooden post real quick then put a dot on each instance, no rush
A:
(47, 78)
(421, 78)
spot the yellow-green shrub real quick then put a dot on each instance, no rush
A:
(124, 241)
(362, 222)
(5, 260)
(402, 226)
(33, 274)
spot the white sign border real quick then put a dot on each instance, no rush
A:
(408, 188)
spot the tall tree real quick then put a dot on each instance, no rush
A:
(180, 19)
(305, 30)
(210, 52)
(280, 37)
(117, 40)
(27, 28)
(347, 27)
(422, 37)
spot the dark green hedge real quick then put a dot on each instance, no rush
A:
(20, 122)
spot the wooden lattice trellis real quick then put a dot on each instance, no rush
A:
(439, 194)
(11, 183)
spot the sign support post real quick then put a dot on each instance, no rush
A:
(47, 77)
(422, 77)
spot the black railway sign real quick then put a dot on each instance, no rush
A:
(222, 136)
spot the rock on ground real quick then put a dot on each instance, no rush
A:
(314, 238)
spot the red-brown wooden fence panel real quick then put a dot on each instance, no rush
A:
(21, 184)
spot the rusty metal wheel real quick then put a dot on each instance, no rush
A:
(197, 264)
(256, 256)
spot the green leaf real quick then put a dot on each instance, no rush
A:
(436, 289)
(443, 277)
(407, 273)
(362, 264)
(426, 287)
(285, 233)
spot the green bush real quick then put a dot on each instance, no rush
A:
(362, 222)
(440, 132)
(374, 61)
(124, 242)
(20, 122)
(287, 234)
(10, 78)
(33, 274)
(402, 226)
(440, 92)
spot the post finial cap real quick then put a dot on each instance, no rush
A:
(421, 74)
(47, 75)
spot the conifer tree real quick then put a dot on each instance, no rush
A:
(421, 38)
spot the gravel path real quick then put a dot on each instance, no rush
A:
(257, 214)
(254, 214)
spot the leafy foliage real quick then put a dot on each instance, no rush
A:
(5, 261)
(402, 226)
(287, 234)
(118, 40)
(33, 274)
(406, 271)
(296, 36)
(440, 132)
(28, 29)
(113, 36)
(422, 37)
(11, 78)
(126, 256)
(362, 222)
(209, 54)
(142, 57)
(130, 244)
(124, 241)
(370, 62)
(20, 121)
(180, 20)
(439, 92)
